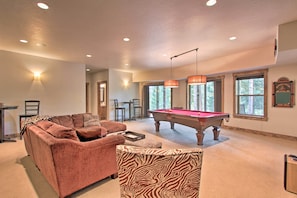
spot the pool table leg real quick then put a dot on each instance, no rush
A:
(216, 133)
(157, 125)
(200, 136)
(172, 125)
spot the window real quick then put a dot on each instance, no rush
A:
(206, 97)
(250, 96)
(159, 97)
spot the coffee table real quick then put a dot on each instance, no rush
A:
(145, 142)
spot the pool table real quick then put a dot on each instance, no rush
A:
(200, 120)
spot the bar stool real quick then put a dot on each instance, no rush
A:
(31, 109)
(118, 109)
(137, 108)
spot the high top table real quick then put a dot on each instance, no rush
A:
(130, 103)
(2, 122)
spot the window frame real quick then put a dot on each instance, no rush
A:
(247, 75)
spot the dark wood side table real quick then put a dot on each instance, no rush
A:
(2, 122)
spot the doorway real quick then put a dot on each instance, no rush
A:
(102, 99)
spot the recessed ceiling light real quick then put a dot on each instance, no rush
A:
(88, 70)
(42, 5)
(40, 44)
(89, 55)
(164, 54)
(126, 39)
(211, 2)
(23, 41)
(232, 38)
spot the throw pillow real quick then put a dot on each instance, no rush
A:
(91, 133)
(57, 130)
(78, 120)
(91, 120)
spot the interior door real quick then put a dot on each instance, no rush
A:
(102, 99)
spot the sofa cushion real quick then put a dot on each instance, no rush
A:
(91, 132)
(112, 126)
(78, 120)
(57, 130)
(91, 120)
(65, 120)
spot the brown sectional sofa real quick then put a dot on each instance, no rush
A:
(67, 163)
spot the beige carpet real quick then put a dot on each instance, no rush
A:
(239, 165)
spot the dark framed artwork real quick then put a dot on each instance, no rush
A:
(283, 93)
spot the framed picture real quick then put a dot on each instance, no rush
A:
(283, 93)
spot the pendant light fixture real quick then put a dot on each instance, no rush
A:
(196, 79)
(171, 83)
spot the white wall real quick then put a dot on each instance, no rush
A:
(116, 89)
(61, 88)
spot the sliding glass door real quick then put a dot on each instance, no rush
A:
(156, 97)
(206, 97)
(159, 97)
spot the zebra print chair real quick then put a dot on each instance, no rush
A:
(165, 173)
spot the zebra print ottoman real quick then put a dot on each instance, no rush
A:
(164, 173)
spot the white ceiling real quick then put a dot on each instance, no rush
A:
(70, 29)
